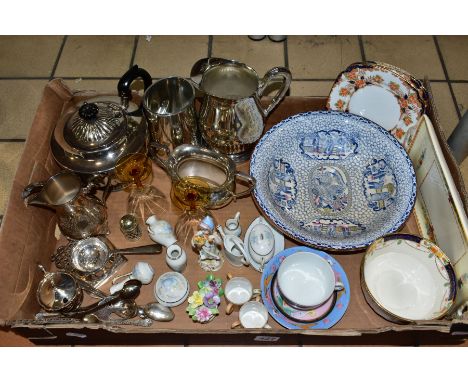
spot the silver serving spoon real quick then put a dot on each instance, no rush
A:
(156, 312)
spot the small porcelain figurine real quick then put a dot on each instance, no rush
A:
(232, 226)
(208, 244)
(176, 258)
(160, 231)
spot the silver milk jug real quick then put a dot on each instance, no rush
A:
(79, 214)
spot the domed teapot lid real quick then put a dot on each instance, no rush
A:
(95, 125)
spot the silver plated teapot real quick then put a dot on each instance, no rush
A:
(92, 135)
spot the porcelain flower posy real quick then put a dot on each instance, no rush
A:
(203, 304)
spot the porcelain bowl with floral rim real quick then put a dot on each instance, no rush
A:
(405, 279)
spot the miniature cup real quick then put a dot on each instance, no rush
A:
(252, 315)
(306, 280)
(238, 291)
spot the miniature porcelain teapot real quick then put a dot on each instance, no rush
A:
(160, 231)
(261, 243)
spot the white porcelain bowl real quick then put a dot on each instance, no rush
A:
(405, 278)
(306, 279)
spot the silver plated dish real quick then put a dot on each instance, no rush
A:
(340, 182)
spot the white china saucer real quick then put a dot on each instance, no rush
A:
(279, 242)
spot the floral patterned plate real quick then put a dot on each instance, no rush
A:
(329, 319)
(381, 94)
(340, 182)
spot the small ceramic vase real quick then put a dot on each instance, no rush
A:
(160, 231)
(141, 271)
(176, 258)
(232, 226)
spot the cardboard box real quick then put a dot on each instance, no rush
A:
(27, 237)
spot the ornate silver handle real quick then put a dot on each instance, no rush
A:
(153, 152)
(278, 71)
(246, 179)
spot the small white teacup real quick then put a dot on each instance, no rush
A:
(252, 315)
(238, 291)
(306, 280)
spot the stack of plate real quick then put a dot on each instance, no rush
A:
(383, 93)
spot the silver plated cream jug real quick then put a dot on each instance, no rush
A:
(231, 117)
(79, 214)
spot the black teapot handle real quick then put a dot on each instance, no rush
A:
(123, 87)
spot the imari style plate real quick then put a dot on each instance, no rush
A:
(320, 318)
(333, 180)
(382, 93)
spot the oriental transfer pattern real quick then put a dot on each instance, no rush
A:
(333, 180)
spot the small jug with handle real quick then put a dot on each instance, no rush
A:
(79, 214)
(231, 117)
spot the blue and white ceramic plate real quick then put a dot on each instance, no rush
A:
(333, 180)
(326, 321)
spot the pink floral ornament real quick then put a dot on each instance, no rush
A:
(203, 304)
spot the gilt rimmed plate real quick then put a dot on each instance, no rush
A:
(378, 92)
(333, 180)
(326, 321)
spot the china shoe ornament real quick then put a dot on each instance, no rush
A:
(160, 231)
(141, 271)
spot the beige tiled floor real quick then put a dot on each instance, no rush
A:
(165, 56)
(321, 56)
(455, 52)
(417, 54)
(96, 62)
(95, 56)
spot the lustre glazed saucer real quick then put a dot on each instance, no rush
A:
(327, 320)
(309, 315)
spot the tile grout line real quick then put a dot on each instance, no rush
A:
(59, 54)
(444, 68)
(117, 78)
(286, 53)
(12, 140)
(361, 48)
(135, 46)
(210, 45)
